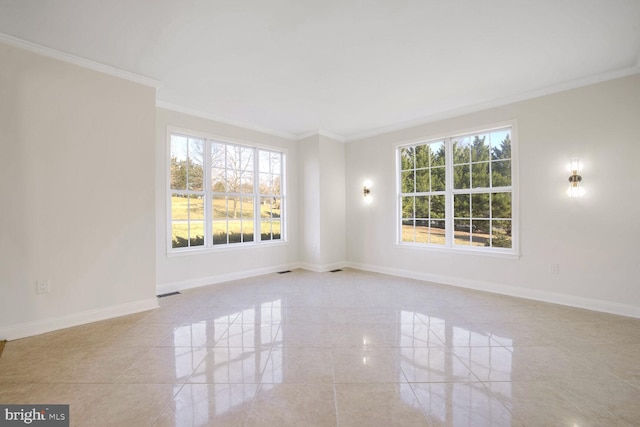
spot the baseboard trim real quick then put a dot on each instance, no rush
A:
(531, 294)
(182, 285)
(28, 329)
(322, 268)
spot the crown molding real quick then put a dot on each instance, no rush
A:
(319, 132)
(549, 90)
(204, 115)
(76, 60)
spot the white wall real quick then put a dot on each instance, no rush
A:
(77, 190)
(332, 203)
(594, 239)
(310, 205)
(322, 209)
(180, 271)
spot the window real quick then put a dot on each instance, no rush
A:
(457, 192)
(223, 193)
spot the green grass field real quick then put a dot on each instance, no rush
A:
(224, 219)
(437, 236)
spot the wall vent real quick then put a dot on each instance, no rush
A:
(168, 294)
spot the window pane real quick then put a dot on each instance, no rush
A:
(220, 232)
(196, 233)
(247, 182)
(196, 207)
(462, 232)
(422, 231)
(501, 173)
(247, 207)
(501, 205)
(276, 163)
(218, 180)
(276, 207)
(461, 205)
(276, 229)
(480, 233)
(480, 175)
(422, 156)
(246, 159)
(179, 234)
(437, 233)
(178, 160)
(408, 185)
(233, 207)
(235, 230)
(501, 234)
(247, 230)
(480, 148)
(438, 154)
(218, 155)
(275, 184)
(265, 229)
(422, 206)
(461, 150)
(195, 164)
(265, 183)
(219, 207)
(408, 230)
(407, 207)
(501, 145)
(438, 181)
(179, 207)
(422, 180)
(407, 158)
(480, 206)
(461, 177)
(264, 161)
(437, 207)
(265, 207)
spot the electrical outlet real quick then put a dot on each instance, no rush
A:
(554, 269)
(42, 287)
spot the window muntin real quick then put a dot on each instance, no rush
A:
(223, 193)
(457, 192)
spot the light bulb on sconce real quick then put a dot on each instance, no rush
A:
(575, 190)
(366, 191)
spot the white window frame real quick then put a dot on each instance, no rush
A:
(208, 194)
(449, 245)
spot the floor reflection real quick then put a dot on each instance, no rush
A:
(443, 359)
(242, 342)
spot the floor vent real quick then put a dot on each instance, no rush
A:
(336, 270)
(168, 294)
(284, 272)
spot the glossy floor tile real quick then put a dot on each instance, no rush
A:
(336, 349)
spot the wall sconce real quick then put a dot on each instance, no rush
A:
(575, 190)
(366, 191)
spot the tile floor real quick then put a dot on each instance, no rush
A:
(336, 349)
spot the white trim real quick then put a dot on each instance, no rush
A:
(198, 282)
(207, 116)
(320, 132)
(530, 294)
(322, 268)
(81, 62)
(76, 319)
(525, 96)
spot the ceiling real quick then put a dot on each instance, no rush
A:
(344, 68)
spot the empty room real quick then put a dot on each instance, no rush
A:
(319, 213)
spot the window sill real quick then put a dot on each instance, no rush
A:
(224, 248)
(459, 251)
